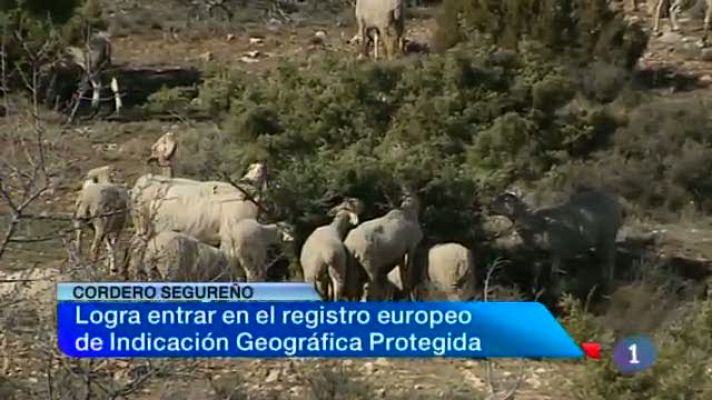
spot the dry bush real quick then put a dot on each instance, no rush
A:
(326, 383)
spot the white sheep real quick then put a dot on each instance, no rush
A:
(246, 242)
(106, 205)
(198, 216)
(450, 273)
(387, 19)
(93, 59)
(160, 203)
(177, 257)
(445, 271)
(589, 219)
(150, 186)
(323, 256)
(376, 246)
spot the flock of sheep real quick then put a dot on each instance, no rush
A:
(208, 230)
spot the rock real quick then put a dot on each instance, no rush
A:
(382, 362)
(230, 36)
(253, 53)
(320, 35)
(256, 40)
(381, 392)
(418, 386)
(272, 376)
(534, 382)
(248, 60)
(356, 39)
(369, 368)
(347, 363)
(207, 56)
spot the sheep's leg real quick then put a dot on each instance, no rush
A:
(118, 104)
(407, 272)
(376, 41)
(364, 38)
(708, 20)
(387, 40)
(337, 276)
(395, 39)
(375, 288)
(96, 92)
(328, 288)
(111, 261)
(98, 238)
(658, 13)
(675, 8)
(78, 232)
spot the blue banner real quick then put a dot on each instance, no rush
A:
(311, 329)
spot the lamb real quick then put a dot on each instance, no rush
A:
(246, 242)
(590, 218)
(323, 255)
(107, 206)
(387, 18)
(376, 246)
(177, 257)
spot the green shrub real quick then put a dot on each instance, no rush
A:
(580, 31)
(457, 126)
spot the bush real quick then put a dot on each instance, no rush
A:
(680, 371)
(456, 126)
(580, 31)
(654, 146)
(34, 32)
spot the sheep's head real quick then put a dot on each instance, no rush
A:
(163, 150)
(351, 204)
(347, 215)
(256, 174)
(105, 174)
(508, 205)
(410, 204)
(286, 231)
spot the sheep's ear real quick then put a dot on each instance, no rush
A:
(353, 218)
